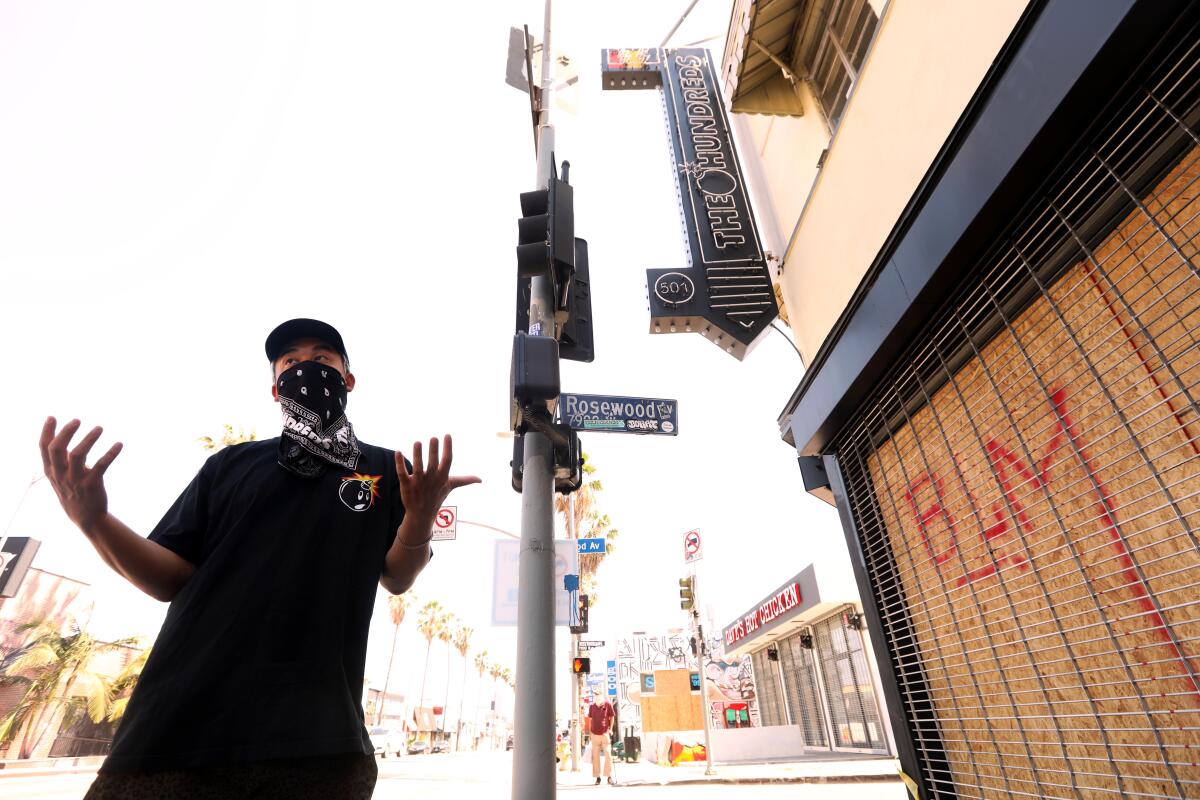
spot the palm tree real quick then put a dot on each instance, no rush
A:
(462, 643)
(481, 666)
(495, 670)
(53, 667)
(397, 607)
(428, 623)
(506, 676)
(228, 438)
(446, 636)
(122, 685)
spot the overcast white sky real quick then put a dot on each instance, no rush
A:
(176, 179)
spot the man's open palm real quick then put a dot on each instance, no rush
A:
(426, 486)
(80, 488)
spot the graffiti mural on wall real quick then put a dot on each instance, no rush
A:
(731, 682)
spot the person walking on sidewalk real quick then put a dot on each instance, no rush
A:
(600, 719)
(269, 560)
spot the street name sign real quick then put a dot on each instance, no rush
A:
(590, 644)
(591, 546)
(616, 414)
(445, 524)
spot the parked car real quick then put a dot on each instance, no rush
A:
(417, 747)
(441, 746)
(385, 740)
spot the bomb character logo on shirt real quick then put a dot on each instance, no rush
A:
(358, 492)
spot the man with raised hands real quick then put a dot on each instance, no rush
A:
(269, 560)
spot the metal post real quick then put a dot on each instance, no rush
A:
(533, 717)
(702, 651)
(576, 730)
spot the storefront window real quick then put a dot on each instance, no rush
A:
(770, 698)
(853, 712)
(800, 686)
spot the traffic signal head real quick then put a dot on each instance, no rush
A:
(687, 593)
(582, 627)
(576, 342)
(581, 666)
(575, 339)
(533, 234)
(546, 234)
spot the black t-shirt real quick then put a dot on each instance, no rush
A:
(262, 652)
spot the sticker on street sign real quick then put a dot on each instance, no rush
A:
(613, 414)
(590, 644)
(691, 547)
(590, 546)
(445, 524)
(507, 569)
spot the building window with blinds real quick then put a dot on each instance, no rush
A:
(770, 699)
(852, 707)
(836, 54)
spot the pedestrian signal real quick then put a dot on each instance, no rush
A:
(581, 666)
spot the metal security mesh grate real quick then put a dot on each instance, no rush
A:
(771, 707)
(1026, 483)
(853, 712)
(800, 684)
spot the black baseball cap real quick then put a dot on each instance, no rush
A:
(296, 329)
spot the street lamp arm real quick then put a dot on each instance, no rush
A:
(509, 534)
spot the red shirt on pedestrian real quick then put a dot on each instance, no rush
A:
(600, 717)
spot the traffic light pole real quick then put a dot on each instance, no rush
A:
(702, 658)
(533, 740)
(576, 731)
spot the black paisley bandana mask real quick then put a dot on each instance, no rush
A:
(315, 428)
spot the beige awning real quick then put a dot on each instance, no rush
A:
(760, 76)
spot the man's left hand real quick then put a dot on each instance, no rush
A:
(424, 489)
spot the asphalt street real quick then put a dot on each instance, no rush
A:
(468, 776)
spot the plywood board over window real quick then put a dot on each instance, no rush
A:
(1041, 506)
(673, 707)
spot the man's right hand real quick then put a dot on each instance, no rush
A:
(80, 488)
(149, 566)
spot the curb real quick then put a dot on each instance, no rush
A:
(42, 767)
(43, 773)
(750, 781)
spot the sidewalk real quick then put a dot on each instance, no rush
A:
(31, 767)
(646, 773)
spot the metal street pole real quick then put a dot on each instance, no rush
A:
(533, 740)
(576, 731)
(702, 650)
